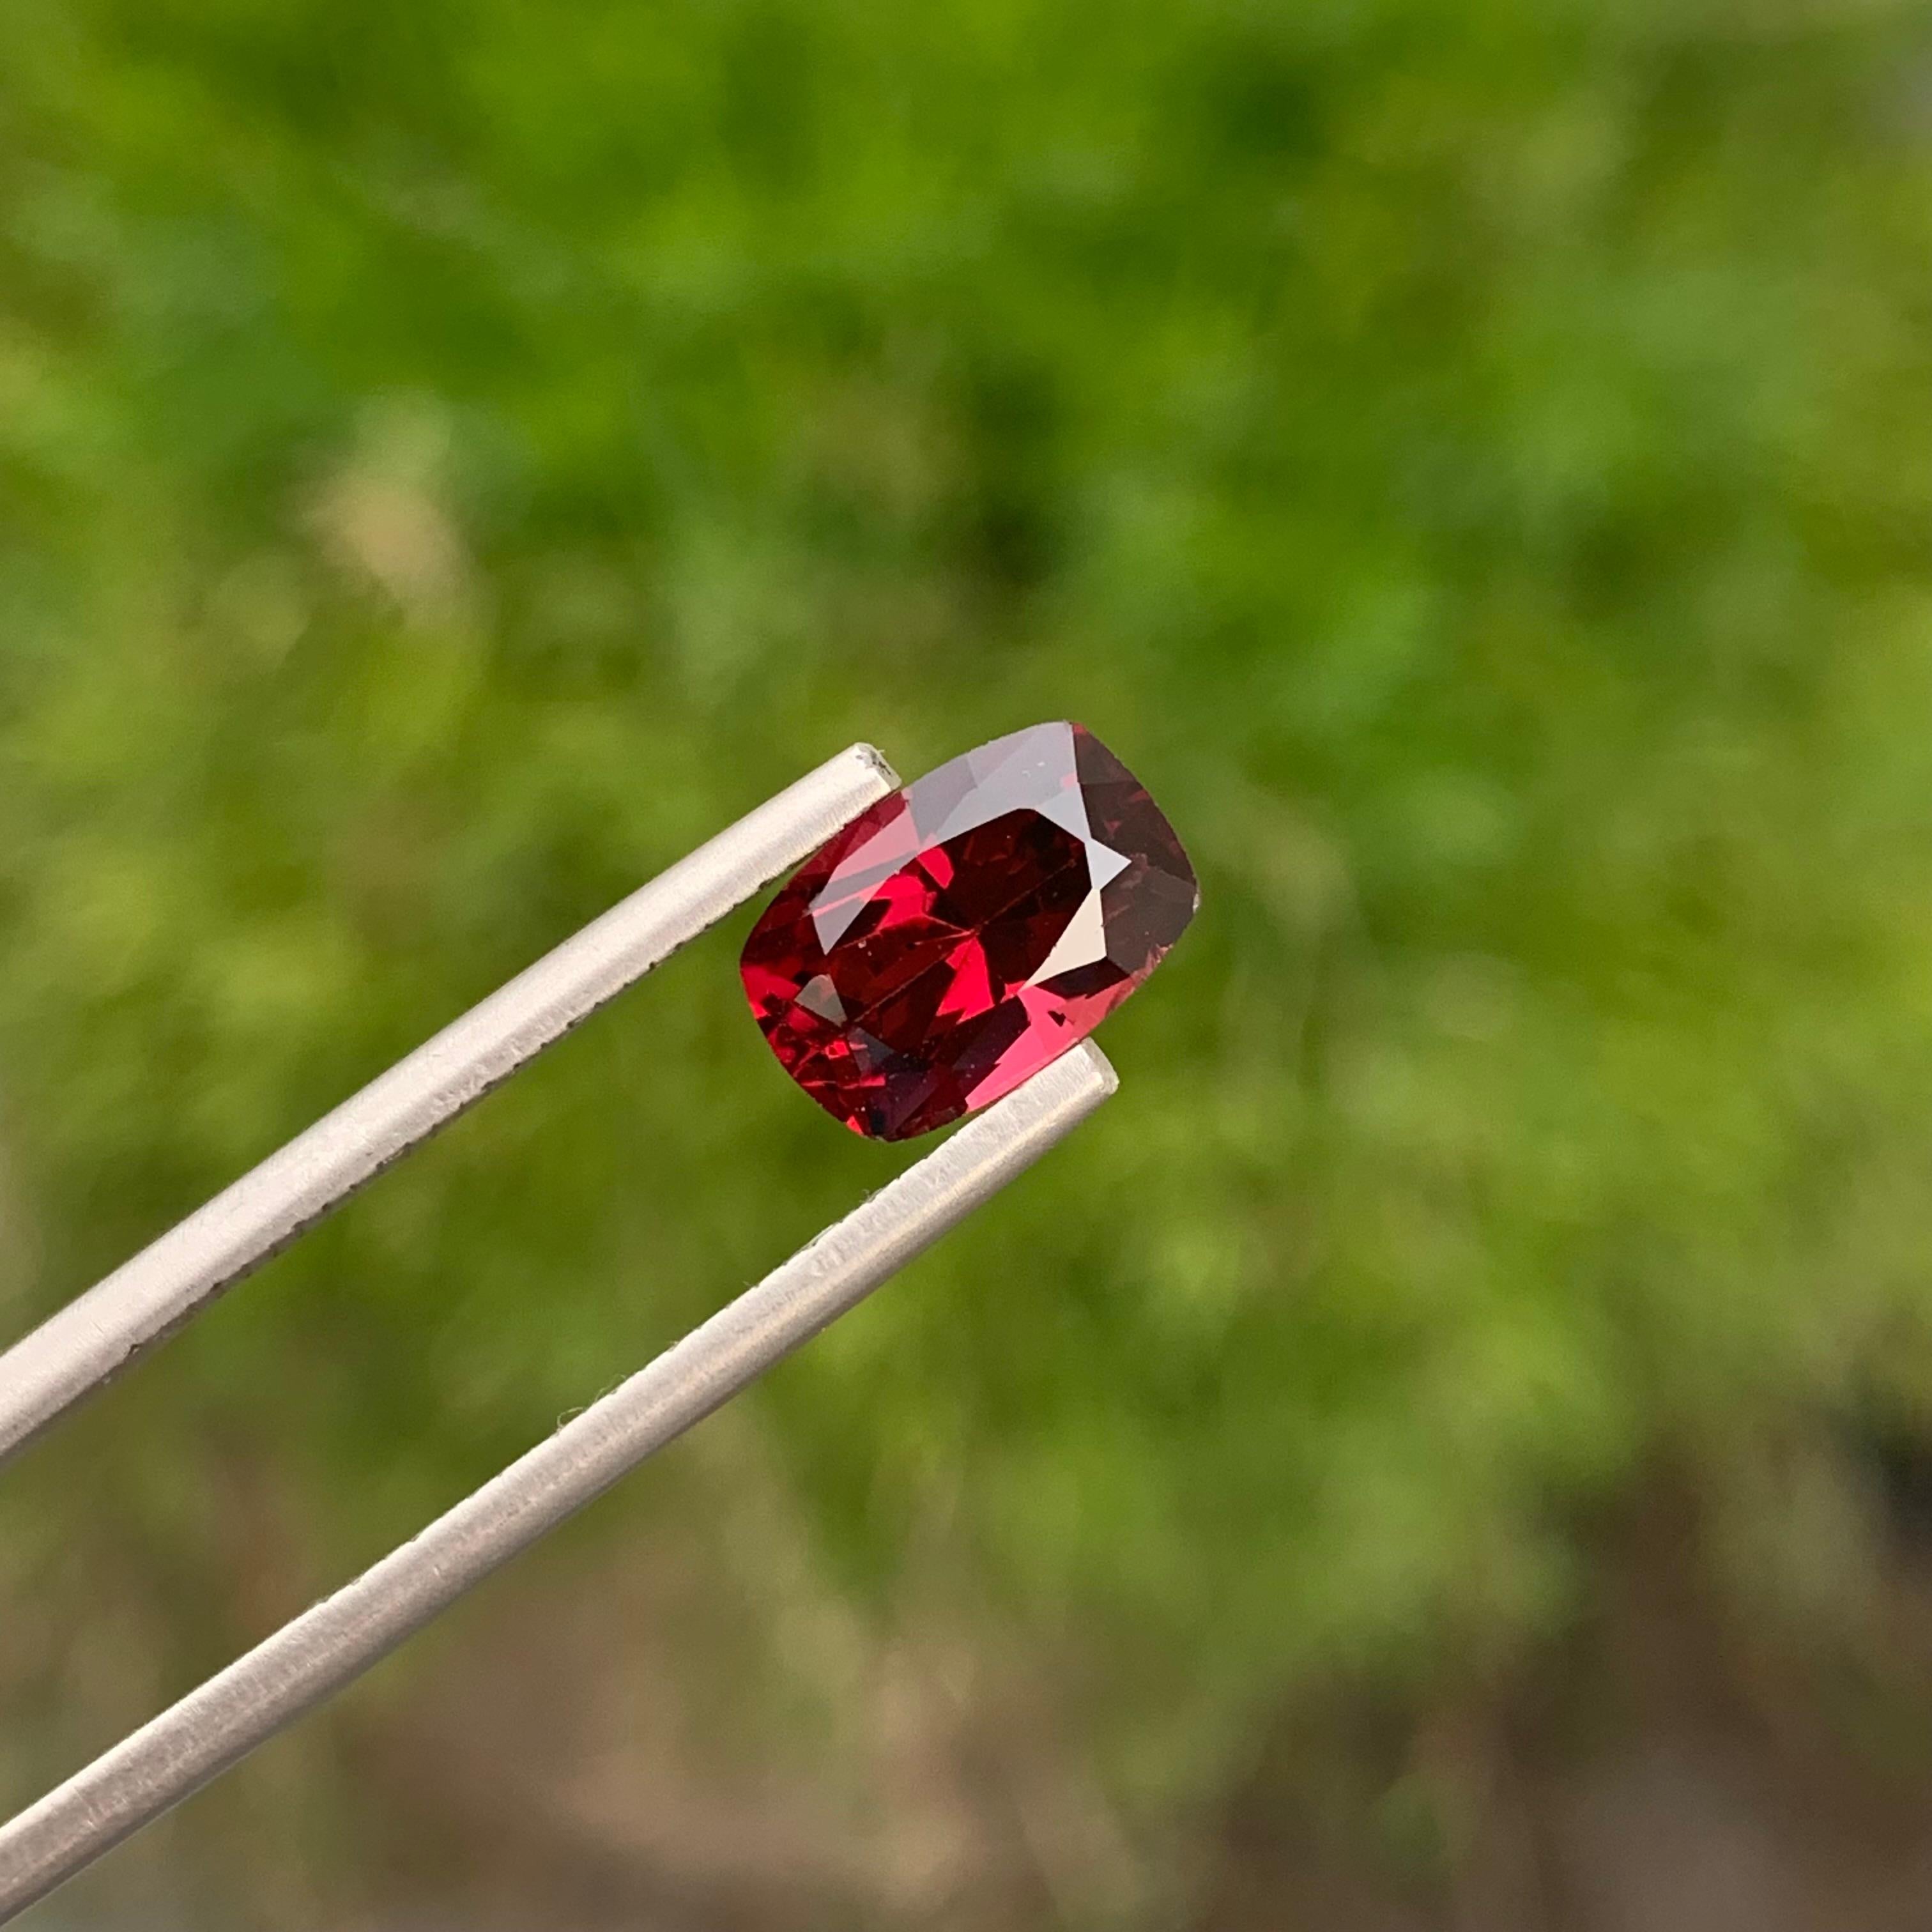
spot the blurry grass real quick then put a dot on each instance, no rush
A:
(1473, 461)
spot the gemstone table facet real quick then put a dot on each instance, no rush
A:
(959, 935)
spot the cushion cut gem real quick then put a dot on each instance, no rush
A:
(959, 935)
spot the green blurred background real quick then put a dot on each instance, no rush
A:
(1443, 1451)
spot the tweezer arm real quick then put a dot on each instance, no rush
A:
(98, 1334)
(326, 1647)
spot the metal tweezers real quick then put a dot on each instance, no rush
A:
(316, 1654)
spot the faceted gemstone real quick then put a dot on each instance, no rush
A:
(960, 934)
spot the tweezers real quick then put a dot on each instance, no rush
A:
(316, 1654)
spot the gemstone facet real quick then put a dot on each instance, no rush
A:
(958, 936)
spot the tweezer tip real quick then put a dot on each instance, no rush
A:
(1100, 1066)
(879, 762)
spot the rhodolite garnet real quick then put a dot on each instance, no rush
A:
(958, 936)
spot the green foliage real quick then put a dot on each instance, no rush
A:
(1474, 461)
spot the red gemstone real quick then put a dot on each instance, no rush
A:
(959, 935)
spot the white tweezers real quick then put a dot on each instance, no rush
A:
(316, 1654)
